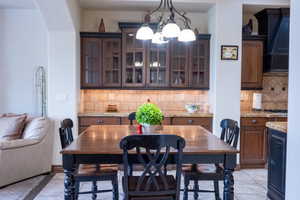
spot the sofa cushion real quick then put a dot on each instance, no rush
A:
(36, 128)
(11, 127)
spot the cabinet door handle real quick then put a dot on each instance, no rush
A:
(254, 121)
(190, 121)
(99, 121)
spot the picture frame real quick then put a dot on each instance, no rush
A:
(229, 52)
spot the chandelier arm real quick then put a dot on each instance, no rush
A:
(186, 20)
(158, 8)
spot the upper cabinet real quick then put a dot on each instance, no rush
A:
(179, 64)
(100, 60)
(134, 60)
(199, 64)
(158, 65)
(252, 63)
(91, 53)
(119, 60)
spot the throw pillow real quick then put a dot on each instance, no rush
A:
(11, 127)
(36, 128)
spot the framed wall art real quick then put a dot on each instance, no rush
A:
(229, 52)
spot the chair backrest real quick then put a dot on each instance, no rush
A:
(230, 132)
(131, 117)
(153, 153)
(65, 133)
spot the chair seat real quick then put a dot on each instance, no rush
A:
(94, 170)
(203, 171)
(133, 182)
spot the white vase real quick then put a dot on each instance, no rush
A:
(149, 129)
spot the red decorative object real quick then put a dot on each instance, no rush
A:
(139, 129)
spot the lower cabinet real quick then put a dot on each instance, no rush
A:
(253, 144)
(85, 122)
(276, 164)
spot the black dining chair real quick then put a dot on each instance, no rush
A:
(89, 173)
(208, 172)
(152, 153)
(131, 117)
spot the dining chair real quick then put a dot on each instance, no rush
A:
(89, 173)
(210, 172)
(131, 117)
(152, 153)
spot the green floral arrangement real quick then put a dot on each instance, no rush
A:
(149, 113)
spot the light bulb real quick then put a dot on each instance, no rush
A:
(171, 30)
(187, 35)
(158, 38)
(144, 33)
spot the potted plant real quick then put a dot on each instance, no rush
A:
(149, 116)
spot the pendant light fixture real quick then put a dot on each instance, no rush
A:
(167, 26)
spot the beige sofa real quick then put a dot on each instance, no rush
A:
(28, 156)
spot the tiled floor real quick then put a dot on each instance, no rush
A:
(249, 185)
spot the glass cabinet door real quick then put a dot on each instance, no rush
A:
(179, 64)
(91, 63)
(158, 65)
(199, 69)
(134, 60)
(112, 62)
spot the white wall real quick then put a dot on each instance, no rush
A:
(62, 18)
(23, 47)
(225, 77)
(293, 159)
(90, 19)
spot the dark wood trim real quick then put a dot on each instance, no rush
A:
(204, 36)
(125, 25)
(100, 35)
(143, 88)
(250, 88)
(255, 37)
(57, 169)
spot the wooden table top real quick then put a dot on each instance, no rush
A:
(105, 139)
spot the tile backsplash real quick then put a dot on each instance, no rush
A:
(274, 93)
(129, 100)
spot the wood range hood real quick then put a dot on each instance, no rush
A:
(274, 24)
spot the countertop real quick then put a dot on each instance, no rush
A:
(183, 114)
(278, 126)
(125, 114)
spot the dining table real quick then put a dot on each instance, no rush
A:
(100, 145)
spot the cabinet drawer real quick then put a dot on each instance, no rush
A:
(88, 121)
(202, 121)
(125, 121)
(249, 121)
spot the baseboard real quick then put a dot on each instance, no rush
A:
(57, 169)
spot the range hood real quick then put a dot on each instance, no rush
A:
(274, 24)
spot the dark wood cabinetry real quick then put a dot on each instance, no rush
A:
(199, 64)
(91, 54)
(100, 60)
(134, 59)
(87, 121)
(252, 63)
(276, 164)
(253, 143)
(119, 60)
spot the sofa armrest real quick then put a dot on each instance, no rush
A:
(13, 144)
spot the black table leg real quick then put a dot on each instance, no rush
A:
(228, 185)
(69, 185)
(69, 169)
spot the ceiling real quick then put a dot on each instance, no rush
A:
(143, 5)
(17, 4)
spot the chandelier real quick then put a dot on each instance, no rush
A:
(167, 28)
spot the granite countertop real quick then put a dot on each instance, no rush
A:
(184, 114)
(125, 114)
(262, 114)
(278, 126)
